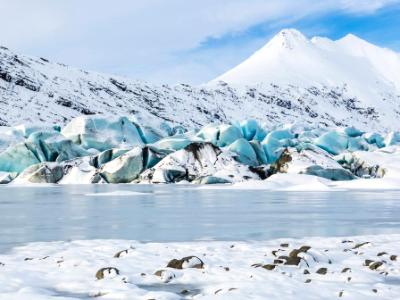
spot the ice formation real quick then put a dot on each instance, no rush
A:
(118, 150)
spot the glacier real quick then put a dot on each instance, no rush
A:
(94, 149)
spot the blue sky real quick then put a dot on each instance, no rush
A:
(181, 40)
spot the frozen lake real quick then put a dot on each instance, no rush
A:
(187, 213)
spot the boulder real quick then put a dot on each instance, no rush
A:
(189, 262)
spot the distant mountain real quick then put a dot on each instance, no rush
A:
(319, 81)
(366, 71)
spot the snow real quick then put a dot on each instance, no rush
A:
(198, 161)
(231, 270)
(348, 82)
(290, 58)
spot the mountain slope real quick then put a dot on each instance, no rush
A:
(368, 72)
(34, 90)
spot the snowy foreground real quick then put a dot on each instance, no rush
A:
(364, 267)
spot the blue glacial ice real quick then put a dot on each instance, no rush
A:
(120, 150)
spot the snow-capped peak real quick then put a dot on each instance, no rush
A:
(288, 38)
(366, 70)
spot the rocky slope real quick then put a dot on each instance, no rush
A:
(34, 90)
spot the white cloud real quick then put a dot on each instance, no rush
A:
(140, 37)
(366, 6)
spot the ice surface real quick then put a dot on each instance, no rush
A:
(333, 142)
(103, 133)
(245, 152)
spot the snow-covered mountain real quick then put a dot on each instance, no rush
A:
(319, 81)
(367, 71)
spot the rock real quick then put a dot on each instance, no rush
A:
(368, 262)
(107, 272)
(281, 164)
(121, 253)
(393, 257)
(41, 173)
(125, 168)
(269, 267)
(345, 270)
(322, 271)
(278, 261)
(187, 262)
(360, 245)
(375, 265)
(273, 147)
(165, 275)
(361, 166)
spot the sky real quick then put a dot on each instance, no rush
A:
(181, 41)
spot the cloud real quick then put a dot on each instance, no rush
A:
(367, 6)
(147, 38)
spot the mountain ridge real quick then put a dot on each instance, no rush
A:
(34, 90)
